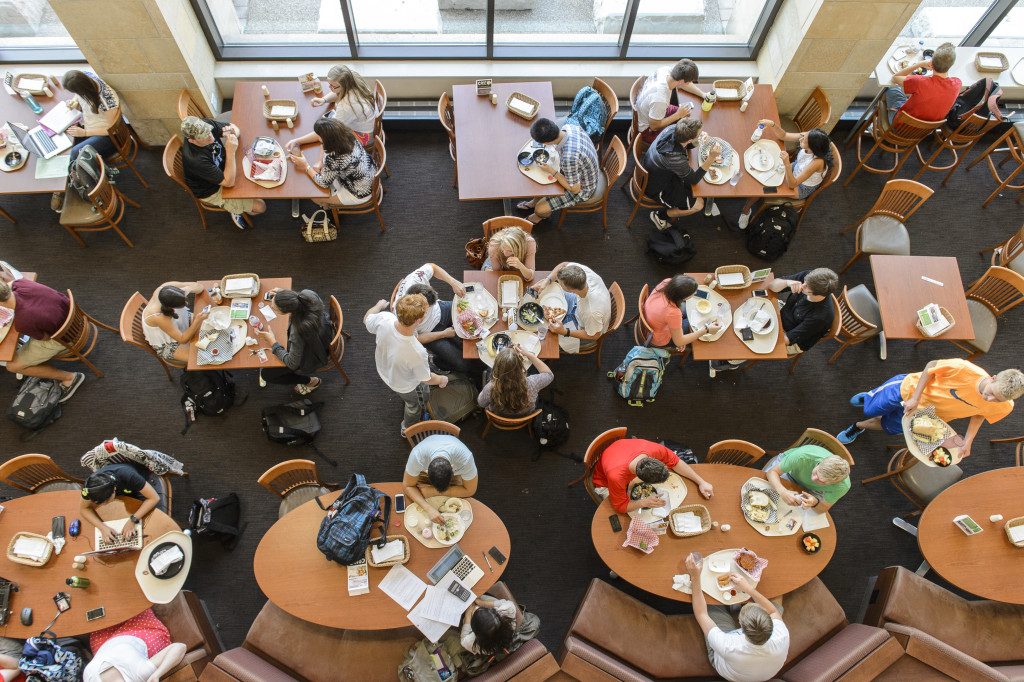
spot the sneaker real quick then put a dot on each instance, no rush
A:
(711, 369)
(714, 209)
(849, 434)
(724, 365)
(744, 220)
(858, 399)
(659, 222)
(709, 207)
(238, 220)
(306, 389)
(67, 391)
(262, 381)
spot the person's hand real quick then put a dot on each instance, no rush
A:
(443, 382)
(556, 327)
(686, 109)
(107, 533)
(75, 131)
(230, 142)
(693, 568)
(291, 146)
(742, 582)
(795, 286)
(716, 150)
(714, 326)
(767, 122)
(547, 168)
(926, 64)
(318, 166)
(434, 515)
(965, 451)
(790, 498)
(784, 156)
(707, 490)
(652, 501)
(910, 406)
(514, 262)
(459, 288)
(318, 101)
(808, 501)
(680, 349)
(128, 532)
(449, 332)
(267, 336)
(299, 161)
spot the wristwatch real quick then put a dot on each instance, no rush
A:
(134, 519)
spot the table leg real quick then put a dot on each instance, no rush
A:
(882, 351)
(867, 112)
(295, 208)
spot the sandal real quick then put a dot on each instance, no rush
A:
(524, 206)
(306, 389)
(538, 219)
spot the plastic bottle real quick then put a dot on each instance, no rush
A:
(758, 131)
(735, 179)
(31, 101)
(709, 101)
(76, 581)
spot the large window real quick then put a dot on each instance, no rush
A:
(1010, 31)
(939, 21)
(31, 28)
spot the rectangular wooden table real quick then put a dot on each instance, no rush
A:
(10, 343)
(729, 346)
(489, 278)
(487, 138)
(23, 181)
(245, 359)
(902, 291)
(725, 120)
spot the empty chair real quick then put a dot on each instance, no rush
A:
(175, 170)
(823, 440)
(618, 313)
(337, 347)
(597, 446)
(295, 482)
(1014, 151)
(37, 474)
(1007, 254)
(642, 330)
(634, 126)
(813, 113)
(738, 452)
(860, 317)
(131, 330)
(376, 190)
(431, 427)
(446, 114)
(611, 100)
(998, 290)
(957, 142)
(126, 143)
(900, 138)
(882, 230)
(494, 224)
(187, 106)
(612, 165)
(918, 482)
(509, 423)
(380, 97)
(102, 211)
(800, 205)
(636, 188)
(78, 335)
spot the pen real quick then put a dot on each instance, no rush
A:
(488, 562)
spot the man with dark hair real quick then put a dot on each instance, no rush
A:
(579, 171)
(630, 458)
(113, 480)
(436, 331)
(926, 98)
(670, 178)
(654, 111)
(589, 311)
(439, 465)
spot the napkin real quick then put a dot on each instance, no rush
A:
(162, 561)
(270, 171)
(239, 285)
(761, 320)
(687, 522)
(1017, 533)
(390, 550)
(31, 548)
(682, 583)
(282, 110)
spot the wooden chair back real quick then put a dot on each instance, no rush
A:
(29, 472)
(380, 98)
(337, 348)
(594, 450)
(815, 112)
(971, 130)
(642, 329)
(121, 136)
(900, 199)
(174, 167)
(999, 290)
(394, 293)
(634, 93)
(823, 440)
(130, 327)
(1007, 251)
(190, 107)
(78, 335)
(376, 189)
(501, 222)
(905, 131)
(852, 327)
(432, 427)
(612, 165)
(282, 478)
(446, 114)
(618, 308)
(611, 101)
(509, 423)
(637, 186)
(738, 452)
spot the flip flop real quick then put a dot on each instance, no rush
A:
(538, 219)
(524, 206)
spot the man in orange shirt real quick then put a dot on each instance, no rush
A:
(956, 388)
(630, 458)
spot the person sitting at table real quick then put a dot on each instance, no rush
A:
(926, 98)
(137, 650)
(670, 178)
(812, 165)
(168, 324)
(630, 458)
(489, 633)
(579, 170)
(654, 111)
(665, 312)
(41, 311)
(955, 388)
(510, 392)
(436, 332)
(511, 248)
(439, 465)
(750, 647)
(100, 107)
(310, 332)
(589, 306)
(354, 106)
(344, 168)
(10, 657)
(208, 158)
(825, 477)
(128, 479)
(401, 359)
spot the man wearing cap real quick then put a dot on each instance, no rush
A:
(208, 157)
(439, 465)
(115, 480)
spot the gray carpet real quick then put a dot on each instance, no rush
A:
(552, 557)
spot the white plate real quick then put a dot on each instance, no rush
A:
(720, 564)
(219, 318)
(519, 336)
(760, 161)
(674, 487)
(477, 298)
(457, 537)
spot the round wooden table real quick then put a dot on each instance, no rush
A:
(296, 576)
(985, 564)
(789, 566)
(113, 587)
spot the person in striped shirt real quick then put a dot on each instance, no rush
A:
(579, 170)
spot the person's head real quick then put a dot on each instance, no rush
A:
(573, 278)
(544, 130)
(756, 624)
(305, 307)
(819, 283)
(831, 470)
(687, 129)
(817, 142)
(511, 241)
(343, 80)
(942, 60)
(440, 473)
(679, 288)
(337, 137)
(83, 86)
(685, 71)
(197, 131)
(1007, 385)
(494, 634)
(425, 290)
(170, 299)
(651, 470)
(410, 309)
(99, 487)
(509, 393)
(5, 291)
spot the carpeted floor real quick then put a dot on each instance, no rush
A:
(552, 556)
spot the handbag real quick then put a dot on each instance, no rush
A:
(476, 252)
(44, 659)
(319, 228)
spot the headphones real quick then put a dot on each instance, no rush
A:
(102, 489)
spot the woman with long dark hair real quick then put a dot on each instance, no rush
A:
(310, 332)
(168, 324)
(665, 312)
(345, 167)
(489, 632)
(510, 392)
(100, 106)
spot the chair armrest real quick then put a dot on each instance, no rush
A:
(244, 666)
(941, 656)
(841, 653)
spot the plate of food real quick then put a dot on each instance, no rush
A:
(552, 300)
(941, 457)
(810, 543)
(519, 337)
(530, 315)
(724, 160)
(475, 313)
(925, 433)
(673, 489)
(760, 161)
(760, 505)
(450, 530)
(718, 584)
(525, 159)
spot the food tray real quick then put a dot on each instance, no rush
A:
(519, 290)
(899, 56)
(770, 177)
(1018, 72)
(1012, 523)
(763, 342)
(676, 488)
(727, 269)
(728, 154)
(772, 494)
(699, 510)
(553, 297)
(534, 105)
(269, 104)
(949, 318)
(922, 449)
(698, 319)
(709, 579)
(1004, 62)
(255, 290)
(728, 83)
(267, 184)
(29, 562)
(416, 519)
(390, 562)
(31, 76)
(790, 518)
(520, 337)
(477, 298)
(533, 171)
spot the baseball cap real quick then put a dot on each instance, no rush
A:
(194, 128)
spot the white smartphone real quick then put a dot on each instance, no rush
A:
(399, 503)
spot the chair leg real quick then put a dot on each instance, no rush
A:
(487, 427)
(749, 364)
(121, 194)
(167, 369)
(792, 366)
(560, 219)
(75, 235)
(604, 214)
(346, 334)
(376, 208)
(842, 346)
(132, 166)
(856, 257)
(100, 324)
(600, 343)
(125, 238)
(79, 356)
(8, 216)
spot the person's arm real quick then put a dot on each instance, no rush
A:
(775, 479)
(429, 337)
(561, 179)
(926, 378)
(167, 325)
(682, 112)
(152, 499)
(554, 273)
(682, 340)
(810, 328)
(443, 275)
(777, 132)
(413, 492)
(87, 512)
(309, 138)
(700, 604)
(686, 471)
(439, 380)
(745, 584)
(484, 399)
(379, 306)
(794, 181)
(292, 356)
(230, 145)
(972, 431)
(900, 76)
(166, 659)
(467, 489)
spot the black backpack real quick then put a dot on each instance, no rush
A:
(983, 92)
(217, 518)
(294, 423)
(551, 426)
(84, 172)
(344, 533)
(454, 402)
(670, 246)
(35, 406)
(769, 237)
(210, 392)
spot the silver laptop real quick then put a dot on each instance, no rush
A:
(456, 563)
(119, 544)
(39, 142)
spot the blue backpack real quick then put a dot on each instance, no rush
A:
(345, 532)
(638, 377)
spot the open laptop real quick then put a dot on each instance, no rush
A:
(456, 563)
(37, 141)
(119, 544)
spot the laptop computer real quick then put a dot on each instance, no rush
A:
(119, 544)
(37, 141)
(455, 563)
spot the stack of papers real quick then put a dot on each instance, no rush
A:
(687, 522)
(509, 292)
(390, 550)
(728, 92)
(729, 279)
(31, 548)
(282, 110)
(520, 106)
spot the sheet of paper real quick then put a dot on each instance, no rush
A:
(439, 604)
(1017, 533)
(728, 92)
(267, 312)
(813, 520)
(431, 629)
(54, 167)
(403, 586)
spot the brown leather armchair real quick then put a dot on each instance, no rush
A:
(188, 622)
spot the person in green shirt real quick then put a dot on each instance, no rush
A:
(815, 469)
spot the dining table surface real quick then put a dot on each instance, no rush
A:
(789, 566)
(23, 181)
(729, 346)
(489, 279)
(985, 564)
(726, 121)
(906, 284)
(296, 576)
(10, 343)
(245, 358)
(113, 584)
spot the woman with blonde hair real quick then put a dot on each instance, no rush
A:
(354, 105)
(510, 248)
(510, 392)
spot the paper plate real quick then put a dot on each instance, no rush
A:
(520, 337)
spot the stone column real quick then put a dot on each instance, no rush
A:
(147, 50)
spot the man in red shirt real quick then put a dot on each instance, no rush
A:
(39, 312)
(926, 98)
(631, 458)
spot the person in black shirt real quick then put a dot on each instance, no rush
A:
(113, 480)
(208, 157)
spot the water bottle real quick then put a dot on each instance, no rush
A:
(31, 101)
(735, 179)
(709, 101)
(758, 131)
(75, 581)
(542, 331)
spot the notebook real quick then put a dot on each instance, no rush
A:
(60, 117)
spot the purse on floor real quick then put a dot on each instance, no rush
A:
(319, 228)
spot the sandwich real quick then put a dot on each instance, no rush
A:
(747, 561)
(758, 498)
(928, 429)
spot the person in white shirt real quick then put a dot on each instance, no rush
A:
(126, 658)
(653, 109)
(752, 652)
(590, 306)
(401, 359)
(436, 332)
(439, 465)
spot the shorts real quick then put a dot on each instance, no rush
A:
(37, 351)
(230, 205)
(568, 199)
(650, 135)
(166, 351)
(886, 402)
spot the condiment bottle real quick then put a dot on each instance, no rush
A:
(757, 132)
(75, 581)
(709, 101)
(215, 295)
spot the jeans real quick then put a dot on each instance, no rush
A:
(894, 99)
(415, 405)
(103, 145)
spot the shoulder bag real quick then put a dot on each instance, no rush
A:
(319, 228)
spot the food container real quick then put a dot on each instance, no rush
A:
(803, 543)
(522, 105)
(255, 288)
(525, 159)
(728, 85)
(1012, 523)
(759, 564)
(23, 560)
(984, 62)
(22, 78)
(697, 509)
(726, 269)
(394, 561)
(530, 315)
(281, 114)
(503, 299)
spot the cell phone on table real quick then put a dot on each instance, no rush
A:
(700, 293)
(760, 293)
(496, 555)
(770, 190)
(747, 333)
(94, 614)
(57, 526)
(399, 503)
(470, 288)
(616, 524)
(269, 296)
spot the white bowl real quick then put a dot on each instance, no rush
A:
(704, 306)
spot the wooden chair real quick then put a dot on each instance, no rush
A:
(126, 144)
(509, 423)
(190, 107)
(131, 330)
(1007, 254)
(175, 169)
(641, 330)
(961, 140)
(8, 216)
(597, 446)
(337, 347)
(800, 205)
(1019, 440)
(813, 113)
(634, 126)
(612, 165)
(618, 313)
(380, 98)
(37, 474)
(822, 440)
(860, 318)
(494, 224)
(295, 482)
(998, 290)
(376, 191)
(611, 100)
(78, 335)
(1014, 151)
(882, 230)
(432, 427)
(737, 452)
(917, 482)
(833, 331)
(103, 211)
(446, 113)
(636, 188)
(900, 138)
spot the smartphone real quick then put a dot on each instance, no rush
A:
(496, 555)
(616, 524)
(760, 293)
(207, 308)
(400, 503)
(459, 591)
(269, 296)
(94, 614)
(470, 288)
(700, 293)
(57, 526)
(63, 601)
(770, 190)
(747, 333)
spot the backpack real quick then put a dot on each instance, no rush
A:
(217, 519)
(345, 532)
(454, 402)
(551, 426)
(638, 377)
(670, 246)
(35, 406)
(294, 423)
(209, 392)
(769, 237)
(84, 172)
(983, 92)
(44, 660)
(683, 452)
